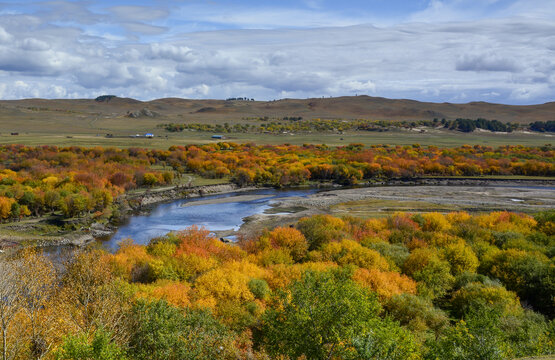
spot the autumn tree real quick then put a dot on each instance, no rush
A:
(37, 283)
(90, 296)
(321, 229)
(10, 305)
(289, 239)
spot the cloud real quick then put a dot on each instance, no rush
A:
(264, 17)
(144, 28)
(138, 13)
(68, 11)
(5, 36)
(486, 62)
(472, 10)
(33, 44)
(140, 52)
(169, 51)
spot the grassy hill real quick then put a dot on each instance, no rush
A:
(87, 121)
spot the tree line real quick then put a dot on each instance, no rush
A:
(469, 125)
(291, 165)
(298, 124)
(72, 181)
(543, 126)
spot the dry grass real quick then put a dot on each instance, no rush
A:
(65, 136)
(86, 122)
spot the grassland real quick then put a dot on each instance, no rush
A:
(443, 138)
(86, 122)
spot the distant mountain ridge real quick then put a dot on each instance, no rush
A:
(347, 107)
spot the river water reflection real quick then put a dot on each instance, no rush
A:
(175, 216)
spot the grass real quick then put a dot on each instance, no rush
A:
(86, 122)
(72, 136)
(381, 208)
(81, 123)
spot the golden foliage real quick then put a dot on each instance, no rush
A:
(223, 284)
(176, 293)
(385, 284)
(461, 257)
(506, 221)
(128, 256)
(289, 239)
(435, 222)
(350, 252)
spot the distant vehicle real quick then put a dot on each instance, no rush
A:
(217, 137)
(15, 133)
(149, 135)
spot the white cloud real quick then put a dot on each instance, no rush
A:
(510, 59)
(33, 44)
(169, 51)
(5, 36)
(253, 17)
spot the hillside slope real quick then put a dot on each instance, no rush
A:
(342, 107)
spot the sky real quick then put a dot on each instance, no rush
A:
(500, 51)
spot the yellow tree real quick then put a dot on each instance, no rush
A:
(10, 306)
(5, 207)
(36, 284)
(289, 239)
(89, 296)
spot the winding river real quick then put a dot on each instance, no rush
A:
(212, 214)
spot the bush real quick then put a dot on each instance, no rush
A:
(163, 332)
(78, 347)
(259, 288)
(321, 229)
(387, 341)
(319, 316)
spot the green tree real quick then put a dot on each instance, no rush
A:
(478, 338)
(321, 229)
(78, 347)
(416, 313)
(319, 316)
(387, 341)
(259, 288)
(164, 332)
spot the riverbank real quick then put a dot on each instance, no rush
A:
(484, 196)
(373, 198)
(36, 232)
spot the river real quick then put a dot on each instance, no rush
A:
(226, 212)
(217, 216)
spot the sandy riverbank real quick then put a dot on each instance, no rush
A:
(506, 197)
(381, 201)
(238, 198)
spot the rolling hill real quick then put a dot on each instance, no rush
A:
(353, 107)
